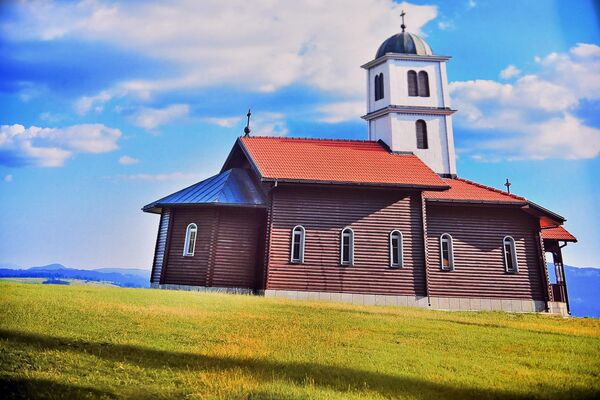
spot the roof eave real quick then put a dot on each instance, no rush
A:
(537, 209)
(485, 202)
(408, 110)
(362, 184)
(401, 56)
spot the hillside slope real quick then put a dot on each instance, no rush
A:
(92, 342)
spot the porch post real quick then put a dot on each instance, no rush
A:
(561, 279)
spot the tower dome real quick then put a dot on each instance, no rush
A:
(404, 43)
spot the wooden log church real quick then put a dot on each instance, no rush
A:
(381, 221)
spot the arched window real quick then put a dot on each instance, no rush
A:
(376, 87)
(396, 250)
(190, 240)
(347, 247)
(421, 128)
(379, 92)
(412, 83)
(510, 254)
(423, 84)
(297, 250)
(446, 252)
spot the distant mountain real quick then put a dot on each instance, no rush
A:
(583, 285)
(124, 277)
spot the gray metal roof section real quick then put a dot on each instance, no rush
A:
(404, 43)
(233, 187)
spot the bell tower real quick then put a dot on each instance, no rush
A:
(408, 106)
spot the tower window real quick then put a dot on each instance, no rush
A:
(396, 249)
(190, 240)
(446, 252)
(421, 127)
(347, 247)
(413, 90)
(379, 93)
(297, 252)
(423, 84)
(510, 255)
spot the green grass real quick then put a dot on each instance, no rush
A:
(98, 342)
(71, 281)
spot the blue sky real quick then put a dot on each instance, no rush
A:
(107, 106)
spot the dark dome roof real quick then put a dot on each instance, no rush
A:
(404, 43)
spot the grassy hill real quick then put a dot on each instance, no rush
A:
(99, 342)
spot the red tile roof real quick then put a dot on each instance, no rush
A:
(464, 190)
(558, 233)
(340, 161)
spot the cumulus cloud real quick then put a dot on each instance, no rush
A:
(257, 45)
(342, 111)
(224, 122)
(537, 113)
(150, 118)
(84, 104)
(51, 147)
(510, 72)
(269, 124)
(127, 160)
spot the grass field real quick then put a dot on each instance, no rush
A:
(98, 342)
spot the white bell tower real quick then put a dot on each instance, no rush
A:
(408, 106)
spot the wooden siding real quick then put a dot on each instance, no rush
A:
(189, 270)
(479, 270)
(324, 212)
(226, 245)
(235, 257)
(161, 243)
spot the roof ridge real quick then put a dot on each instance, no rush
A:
(514, 196)
(309, 138)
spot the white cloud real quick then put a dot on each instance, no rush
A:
(127, 160)
(225, 122)
(173, 176)
(268, 124)
(536, 113)
(446, 25)
(342, 111)
(8, 178)
(150, 118)
(510, 72)
(51, 147)
(260, 45)
(84, 104)
(471, 4)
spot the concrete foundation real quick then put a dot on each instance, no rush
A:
(434, 303)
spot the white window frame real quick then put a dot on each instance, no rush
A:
(351, 247)
(188, 232)
(513, 254)
(302, 242)
(400, 263)
(450, 252)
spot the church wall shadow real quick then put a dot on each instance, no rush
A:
(338, 378)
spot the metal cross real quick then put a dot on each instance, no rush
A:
(507, 184)
(402, 14)
(247, 128)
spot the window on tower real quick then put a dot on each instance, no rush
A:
(421, 134)
(413, 90)
(379, 94)
(423, 84)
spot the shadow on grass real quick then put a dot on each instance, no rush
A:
(338, 378)
(22, 388)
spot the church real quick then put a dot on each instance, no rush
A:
(384, 221)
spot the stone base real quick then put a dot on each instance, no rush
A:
(434, 303)
(203, 288)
